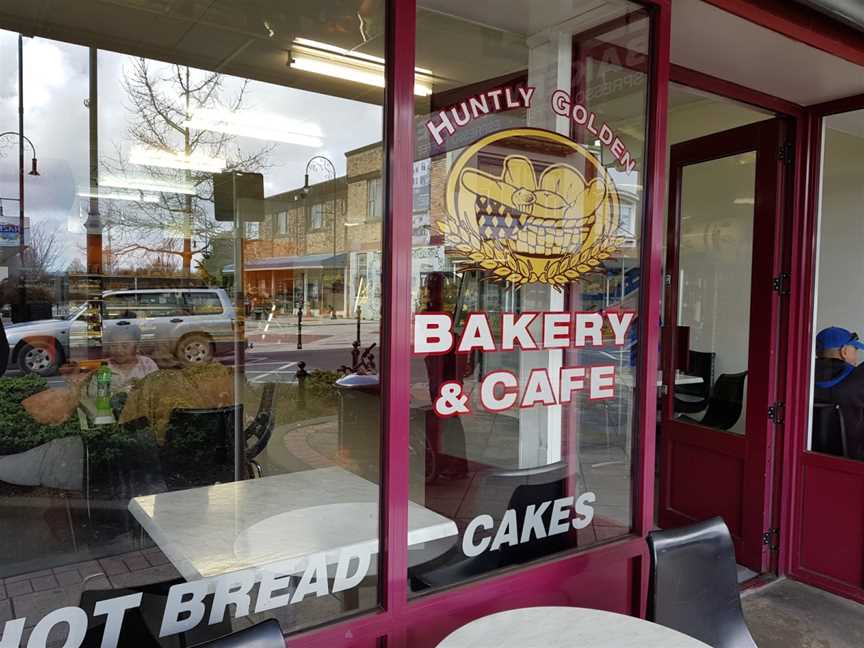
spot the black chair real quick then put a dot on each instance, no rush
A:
(520, 488)
(725, 403)
(829, 430)
(693, 586)
(141, 625)
(696, 396)
(260, 430)
(199, 443)
(266, 634)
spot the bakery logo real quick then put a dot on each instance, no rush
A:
(527, 220)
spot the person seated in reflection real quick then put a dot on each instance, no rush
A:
(126, 364)
(839, 379)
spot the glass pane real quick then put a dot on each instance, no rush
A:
(527, 210)
(191, 401)
(714, 271)
(838, 398)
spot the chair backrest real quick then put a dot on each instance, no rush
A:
(266, 634)
(829, 430)
(726, 401)
(260, 430)
(198, 448)
(701, 363)
(693, 586)
(526, 487)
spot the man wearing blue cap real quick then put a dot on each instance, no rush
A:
(840, 380)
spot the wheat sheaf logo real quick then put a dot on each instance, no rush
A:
(535, 221)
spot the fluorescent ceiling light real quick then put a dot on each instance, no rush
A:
(170, 160)
(332, 61)
(744, 201)
(256, 125)
(146, 184)
(147, 198)
(334, 49)
(352, 224)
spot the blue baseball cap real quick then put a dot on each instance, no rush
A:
(835, 337)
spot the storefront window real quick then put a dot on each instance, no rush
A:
(530, 153)
(837, 423)
(190, 403)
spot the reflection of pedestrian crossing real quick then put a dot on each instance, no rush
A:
(283, 373)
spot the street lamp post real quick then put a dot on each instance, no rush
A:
(34, 171)
(324, 164)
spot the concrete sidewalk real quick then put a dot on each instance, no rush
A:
(788, 614)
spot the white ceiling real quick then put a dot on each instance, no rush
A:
(712, 41)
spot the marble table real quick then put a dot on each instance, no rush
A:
(565, 627)
(225, 528)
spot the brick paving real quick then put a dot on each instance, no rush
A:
(35, 594)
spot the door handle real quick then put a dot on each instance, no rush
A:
(175, 320)
(122, 323)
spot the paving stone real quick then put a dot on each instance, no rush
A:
(2, 592)
(156, 557)
(145, 576)
(72, 577)
(30, 576)
(136, 562)
(44, 583)
(113, 566)
(16, 589)
(36, 605)
(86, 568)
(6, 611)
(96, 582)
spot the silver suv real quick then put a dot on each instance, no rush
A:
(189, 325)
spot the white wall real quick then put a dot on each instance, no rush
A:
(840, 301)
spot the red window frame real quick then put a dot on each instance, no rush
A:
(622, 563)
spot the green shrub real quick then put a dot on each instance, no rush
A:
(18, 430)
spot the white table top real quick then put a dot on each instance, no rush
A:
(565, 627)
(228, 527)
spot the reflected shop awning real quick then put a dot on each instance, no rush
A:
(308, 262)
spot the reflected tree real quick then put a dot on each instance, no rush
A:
(162, 100)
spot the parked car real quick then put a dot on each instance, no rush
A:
(191, 326)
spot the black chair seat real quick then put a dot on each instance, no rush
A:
(693, 586)
(522, 488)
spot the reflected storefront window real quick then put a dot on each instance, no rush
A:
(527, 210)
(191, 292)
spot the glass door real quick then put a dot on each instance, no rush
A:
(719, 344)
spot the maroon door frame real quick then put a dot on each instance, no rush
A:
(740, 487)
(827, 535)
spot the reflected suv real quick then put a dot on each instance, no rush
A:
(186, 325)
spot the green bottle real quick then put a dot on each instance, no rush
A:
(103, 388)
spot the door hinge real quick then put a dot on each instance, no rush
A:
(780, 283)
(787, 152)
(776, 412)
(771, 538)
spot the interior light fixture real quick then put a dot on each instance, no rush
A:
(170, 160)
(336, 62)
(257, 126)
(352, 224)
(744, 201)
(146, 184)
(113, 195)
